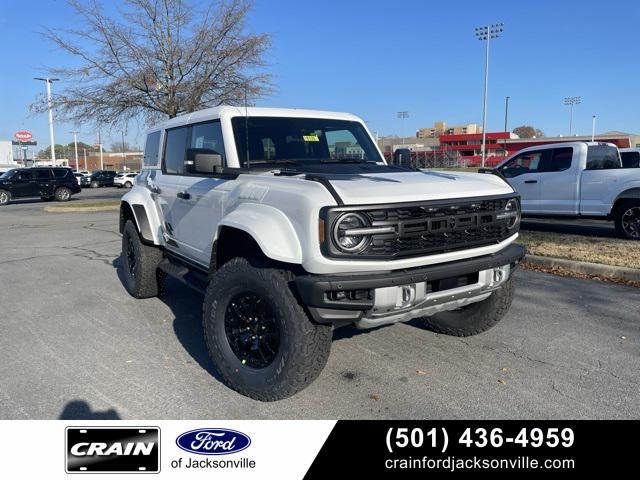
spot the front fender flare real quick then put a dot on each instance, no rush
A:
(270, 228)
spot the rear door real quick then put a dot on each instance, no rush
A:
(523, 174)
(559, 182)
(169, 181)
(23, 186)
(43, 182)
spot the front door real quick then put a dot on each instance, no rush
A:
(523, 174)
(558, 186)
(199, 207)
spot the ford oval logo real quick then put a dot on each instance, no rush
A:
(213, 441)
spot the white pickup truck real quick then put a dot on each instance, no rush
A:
(576, 179)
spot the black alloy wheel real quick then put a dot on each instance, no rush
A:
(252, 330)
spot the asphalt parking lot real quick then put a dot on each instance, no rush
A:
(75, 345)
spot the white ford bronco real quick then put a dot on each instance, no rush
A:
(292, 224)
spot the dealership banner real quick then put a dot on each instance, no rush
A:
(311, 449)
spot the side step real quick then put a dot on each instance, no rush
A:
(191, 278)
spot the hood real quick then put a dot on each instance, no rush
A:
(413, 186)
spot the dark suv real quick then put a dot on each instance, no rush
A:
(99, 178)
(44, 182)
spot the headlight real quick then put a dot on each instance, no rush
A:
(511, 213)
(348, 234)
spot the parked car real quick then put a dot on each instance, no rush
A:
(630, 157)
(101, 178)
(576, 180)
(125, 180)
(289, 235)
(44, 182)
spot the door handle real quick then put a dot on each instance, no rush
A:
(184, 195)
(531, 181)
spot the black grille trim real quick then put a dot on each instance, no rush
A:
(425, 228)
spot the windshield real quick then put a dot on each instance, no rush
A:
(274, 140)
(8, 174)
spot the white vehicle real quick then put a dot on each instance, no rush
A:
(293, 224)
(125, 180)
(630, 157)
(576, 180)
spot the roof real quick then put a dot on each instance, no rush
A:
(231, 111)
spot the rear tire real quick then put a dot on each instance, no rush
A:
(128, 185)
(474, 318)
(62, 194)
(5, 197)
(259, 336)
(627, 219)
(140, 262)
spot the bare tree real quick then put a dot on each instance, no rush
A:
(527, 131)
(157, 59)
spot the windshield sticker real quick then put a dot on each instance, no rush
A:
(310, 138)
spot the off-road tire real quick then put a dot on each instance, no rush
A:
(304, 346)
(147, 281)
(62, 194)
(618, 216)
(5, 198)
(474, 318)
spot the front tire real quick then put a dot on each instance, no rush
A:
(140, 262)
(627, 220)
(259, 336)
(476, 317)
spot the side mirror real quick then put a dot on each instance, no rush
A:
(202, 163)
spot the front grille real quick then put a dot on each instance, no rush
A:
(428, 228)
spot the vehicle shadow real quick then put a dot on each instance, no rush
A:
(186, 306)
(81, 410)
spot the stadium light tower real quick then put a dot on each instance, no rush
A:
(571, 101)
(487, 33)
(402, 116)
(49, 81)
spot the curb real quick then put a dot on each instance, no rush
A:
(84, 208)
(588, 268)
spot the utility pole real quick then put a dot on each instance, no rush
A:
(49, 81)
(100, 145)
(75, 145)
(85, 159)
(571, 101)
(593, 128)
(487, 33)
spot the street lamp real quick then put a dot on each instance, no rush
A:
(402, 116)
(487, 33)
(75, 145)
(49, 81)
(593, 128)
(571, 101)
(506, 120)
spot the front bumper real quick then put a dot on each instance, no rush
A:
(351, 297)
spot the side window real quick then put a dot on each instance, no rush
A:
(630, 159)
(60, 172)
(41, 174)
(151, 148)
(560, 159)
(528, 162)
(174, 150)
(602, 157)
(206, 148)
(25, 175)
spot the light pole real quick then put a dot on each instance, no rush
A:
(49, 81)
(593, 128)
(100, 145)
(487, 33)
(75, 146)
(402, 116)
(506, 120)
(571, 101)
